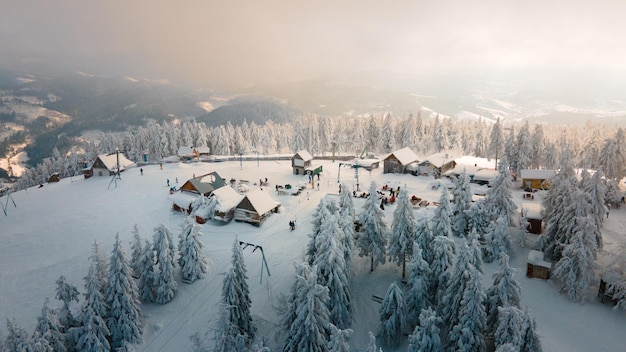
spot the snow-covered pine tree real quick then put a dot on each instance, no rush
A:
(523, 149)
(124, 318)
(392, 317)
(476, 252)
(320, 214)
(49, 328)
(145, 284)
(425, 337)
(611, 159)
(444, 253)
(164, 280)
(346, 223)
(441, 223)
(496, 142)
(339, 339)
(193, 264)
(66, 293)
(227, 337)
(92, 333)
(467, 333)
(332, 272)
(505, 292)
(424, 237)
(38, 343)
(530, 337)
(449, 304)
(371, 344)
(575, 268)
(402, 231)
(236, 296)
(499, 197)
(135, 252)
(372, 239)
(462, 199)
(418, 287)
(17, 337)
(498, 240)
(596, 189)
(508, 331)
(310, 327)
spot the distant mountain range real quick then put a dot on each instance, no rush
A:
(41, 110)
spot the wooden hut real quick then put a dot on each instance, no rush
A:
(437, 164)
(255, 207)
(301, 161)
(226, 201)
(536, 179)
(203, 185)
(537, 266)
(532, 212)
(106, 165)
(399, 161)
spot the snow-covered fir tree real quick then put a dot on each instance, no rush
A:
(402, 231)
(320, 214)
(332, 272)
(478, 218)
(496, 142)
(393, 316)
(309, 329)
(498, 240)
(530, 337)
(92, 333)
(17, 337)
(66, 293)
(193, 264)
(523, 150)
(596, 190)
(426, 336)
(505, 292)
(49, 328)
(418, 287)
(346, 223)
(135, 252)
(467, 333)
(371, 342)
(424, 238)
(462, 199)
(372, 239)
(508, 331)
(441, 223)
(124, 318)
(339, 339)
(499, 197)
(227, 336)
(475, 250)
(164, 279)
(444, 254)
(449, 304)
(575, 268)
(145, 285)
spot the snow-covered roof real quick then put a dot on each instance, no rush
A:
(183, 199)
(110, 161)
(458, 169)
(537, 174)
(536, 258)
(261, 201)
(304, 155)
(485, 174)
(439, 159)
(481, 163)
(203, 150)
(532, 210)
(405, 156)
(366, 162)
(185, 151)
(227, 198)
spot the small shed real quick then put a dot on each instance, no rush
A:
(536, 179)
(182, 202)
(301, 162)
(106, 165)
(398, 161)
(203, 152)
(55, 177)
(532, 212)
(255, 207)
(203, 185)
(368, 164)
(607, 279)
(537, 266)
(186, 153)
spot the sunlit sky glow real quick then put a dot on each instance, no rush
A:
(236, 41)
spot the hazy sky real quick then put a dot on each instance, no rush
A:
(238, 41)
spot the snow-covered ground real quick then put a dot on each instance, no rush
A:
(52, 229)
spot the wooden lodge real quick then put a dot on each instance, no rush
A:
(106, 165)
(532, 212)
(255, 207)
(302, 164)
(398, 162)
(536, 179)
(203, 185)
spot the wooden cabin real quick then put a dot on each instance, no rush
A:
(398, 162)
(255, 207)
(436, 164)
(532, 212)
(55, 177)
(186, 153)
(536, 179)
(301, 161)
(106, 165)
(203, 185)
(537, 266)
(227, 200)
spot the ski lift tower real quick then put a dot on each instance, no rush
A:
(116, 174)
(6, 191)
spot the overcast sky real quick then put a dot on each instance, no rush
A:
(235, 41)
